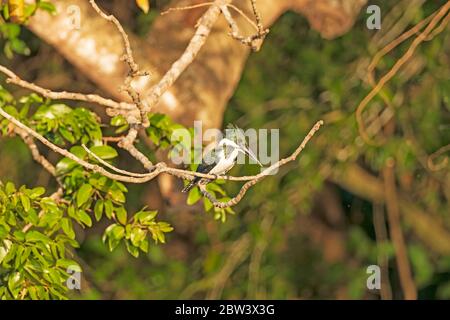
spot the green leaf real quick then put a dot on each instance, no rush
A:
(165, 227)
(207, 204)
(161, 236)
(10, 188)
(47, 6)
(118, 121)
(36, 192)
(14, 283)
(64, 166)
(137, 235)
(194, 196)
(3, 232)
(36, 236)
(98, 209)
(20, 47)
(144, 245)
(104, 152)
(31, 98)
(110, 234)
(10, 30)
(145, 216)
(66, 225)
(117, 195)
(6, 12)
(121, 215)
(3, 252)
(118, 232)
(214, 187)
(108, 208)
(85, 218)
(84, 193)
(67, 134)
(68, 263)
(33, 293)
(19, 235)
(60, 109)
(25, 202)
(132, 249)
(79, 152)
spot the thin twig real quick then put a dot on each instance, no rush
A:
(194, 6)
(127, 144)
(205, 4)
(393, 214)
(195, 44)
(253, 41)
(129, 59)
(255, 179)
(430, 161)
(64, 95)
(161, 167)
(423, 36)
(29, 141)
(381, 236)
(110, 166)
(257, 16)
(71, 156)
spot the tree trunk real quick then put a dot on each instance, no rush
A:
(204, 89)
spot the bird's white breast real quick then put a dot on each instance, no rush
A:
(225, 163)
(223, 166)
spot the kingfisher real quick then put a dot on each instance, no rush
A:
(223, 157)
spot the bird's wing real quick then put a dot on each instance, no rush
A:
(209, 161)
(205, 168)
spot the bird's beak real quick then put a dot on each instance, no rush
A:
(252, 155)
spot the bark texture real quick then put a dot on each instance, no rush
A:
(204, 89)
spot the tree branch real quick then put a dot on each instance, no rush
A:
(129, 59)
(93, 98)
(255, 179)
(130, 177)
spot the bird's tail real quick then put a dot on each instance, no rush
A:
(191, 184)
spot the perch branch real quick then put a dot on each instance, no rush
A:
(162, 167)
(257, 178)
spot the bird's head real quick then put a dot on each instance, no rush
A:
(235, 138)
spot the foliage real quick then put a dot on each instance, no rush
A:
(13, 13)
(33, 262)
(50, 223)
(282, 234)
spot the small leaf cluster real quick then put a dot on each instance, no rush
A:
(218, 192)
(57, 122)
(37, 232)
(93, 194)
(12, 15)
(135, 232)
(34, 261)
(90, 194)
(60, 123)
(161, 131)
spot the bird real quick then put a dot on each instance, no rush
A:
(223, 157)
